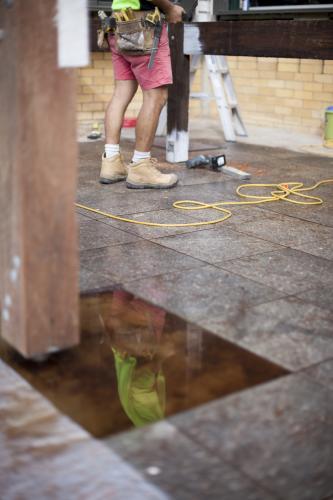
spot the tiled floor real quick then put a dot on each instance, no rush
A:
(262, 280)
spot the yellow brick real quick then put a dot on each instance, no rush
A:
(104, 80)
(97, 56)
(313, 87)
(102, 97)
(288, 67)
(266, 91)
(309, 62)
(303, 77)
(87, 90)
(100, 64)
(92, 106)
(85, 80)
(93, 72)
(267, 60)
(311, 67)
(327, 87)
(281, 110)
(84, 98)
(293, 103)
(247, 59)
(249, 90)
(324, 78)
(278, 84)
(108, 72)
(322, 96)
(288, 60)
(98, 115)
(317, 113)
(283, 92)
(295, 85)
(303, 94)
(328, 67)
(84, 115)
(232, 64)
(108, 89)
(310, 105)
(302, 113)
(247, 65)
(267, 74)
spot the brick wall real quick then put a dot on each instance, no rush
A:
(286, 93)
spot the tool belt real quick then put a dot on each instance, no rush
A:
(136, 30)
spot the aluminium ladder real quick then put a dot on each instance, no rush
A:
(221, 81)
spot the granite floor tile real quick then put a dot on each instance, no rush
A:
(286, 230)
(216, 246)
(198, 294)
(290, 271)
(322, 297)
(274, 433)
(93, 282)
(320, 214)
(240, 214)
(136, 201)
(289, 332)
(43, 454)
(172, 216)
(191, 474)
(322, 248)
(135, 260)
(322, 373)
(96, 234)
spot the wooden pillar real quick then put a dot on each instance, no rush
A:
(39, 264)
(177, 142)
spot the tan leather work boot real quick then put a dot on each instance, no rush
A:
(113, 170)
(145, 175)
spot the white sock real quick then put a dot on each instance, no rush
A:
(111, 150)
(140, 155)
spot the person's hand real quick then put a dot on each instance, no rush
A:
(175, 14)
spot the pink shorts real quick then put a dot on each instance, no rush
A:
(136, 67)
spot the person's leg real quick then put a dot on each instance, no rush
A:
(113, 168)
(123, 94)
(147, 121)
(142, 172)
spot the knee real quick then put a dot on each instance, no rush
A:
(158, 97)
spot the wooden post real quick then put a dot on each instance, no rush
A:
(39, 264)
(177, 131)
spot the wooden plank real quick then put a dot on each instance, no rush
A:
(177, 142)
(39, 268)
(308, 39)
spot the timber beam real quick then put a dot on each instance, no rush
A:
(300, 38)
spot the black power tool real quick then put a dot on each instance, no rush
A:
(212, 162)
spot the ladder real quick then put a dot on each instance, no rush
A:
(222, 86)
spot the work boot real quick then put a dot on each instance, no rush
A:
(144, 175)
(113, 170)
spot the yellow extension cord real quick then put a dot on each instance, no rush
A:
(281, 192)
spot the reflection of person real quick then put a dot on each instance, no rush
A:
(135, 329)
(131, 70)
(141, 389)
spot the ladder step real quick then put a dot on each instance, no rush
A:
(200, 95)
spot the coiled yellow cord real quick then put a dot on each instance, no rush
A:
(281, 192)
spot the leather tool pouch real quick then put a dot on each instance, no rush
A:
(134, 37)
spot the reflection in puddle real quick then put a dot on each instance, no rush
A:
(137, 364)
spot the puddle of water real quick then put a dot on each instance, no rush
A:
(137, 364)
